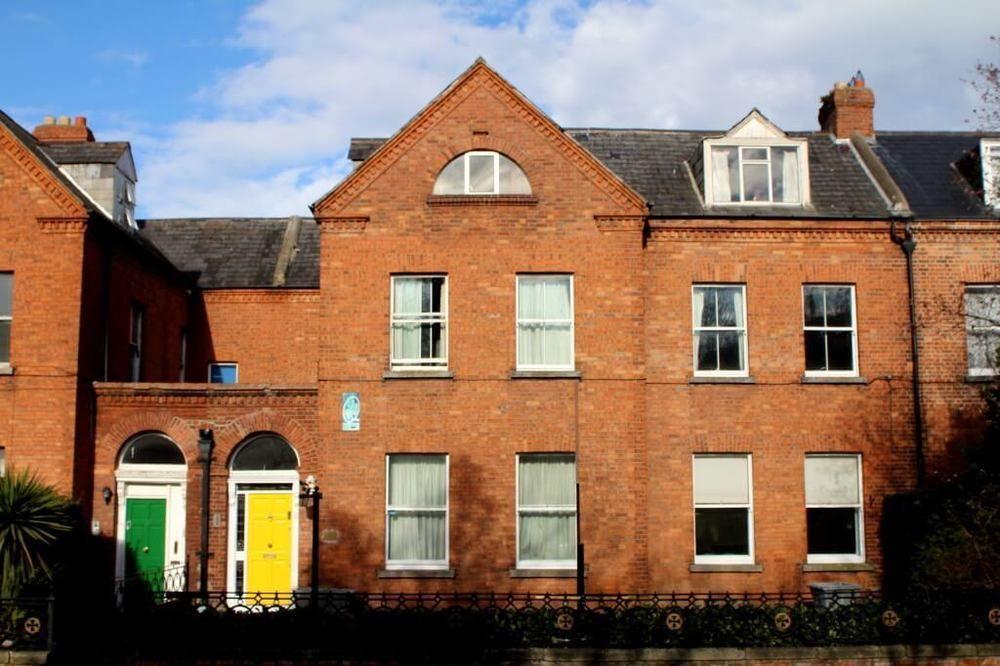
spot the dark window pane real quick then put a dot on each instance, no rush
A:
(815, 350)
(222, 374)
(838, 306)
(813, 306)
(729, 352)
(266, 452)
(152, 449)
(707, 351)
(832, 531)
(5, 341)
(727, 306)
(6, 294)
(840, 347)
(721, 532)
(708, 309)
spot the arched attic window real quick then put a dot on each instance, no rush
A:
(265, 453)
(151, 448)
(482, 172)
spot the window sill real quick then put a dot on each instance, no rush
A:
(816, 567)
(417, 374)
(544, 573)
(726, 568)
(416, 573)
(546, 374)
(481, 200)
(709, 379)
(820, 379)
(981, 379)
(6, 369)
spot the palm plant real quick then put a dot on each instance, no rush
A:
(33, 519)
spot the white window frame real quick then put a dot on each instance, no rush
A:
(983, 326)
(420, 565)
(696, 328)
(432, 365)
(572, 323)
(569, 564)
(801, 147)
(136, 321)
(853, 329)
(496, 170)
(724, 559)
(220, 364)
(989, 152)
(5, 365)
(859, 529)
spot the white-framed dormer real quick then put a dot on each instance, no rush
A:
(989, 151)
(755, 163)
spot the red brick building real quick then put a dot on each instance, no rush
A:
(708, 334)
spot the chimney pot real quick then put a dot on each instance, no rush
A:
(80, 121)
(64, 120)
(49, 120)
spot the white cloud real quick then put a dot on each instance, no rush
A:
(279, 127)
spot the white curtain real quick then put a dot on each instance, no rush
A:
(545, 335)
(790, 176)
(722, 190)
(832, 480)
(407, 299)
(547, 503)
(721, 480)
(418, 491)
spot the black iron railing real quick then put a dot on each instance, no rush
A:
(26, 623)
(156, 586)
(346, 623)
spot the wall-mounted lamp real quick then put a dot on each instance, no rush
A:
(107, 495)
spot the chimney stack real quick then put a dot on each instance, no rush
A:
(60, 130)
(848, 108)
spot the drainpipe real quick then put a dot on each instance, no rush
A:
(206, 442)
(908, 244)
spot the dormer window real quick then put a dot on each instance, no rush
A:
(990, 151)
(755, 163)
(480, 172)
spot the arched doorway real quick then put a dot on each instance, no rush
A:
(263, 517)
(151, 480)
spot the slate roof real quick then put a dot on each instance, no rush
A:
(926, 166)
(653, 163)
(91, 152)
(236, 253)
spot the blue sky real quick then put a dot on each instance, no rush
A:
(239, 107)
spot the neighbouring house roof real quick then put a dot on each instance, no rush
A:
(105, 152)
(655, 163)
(240, 253)
(937, 171)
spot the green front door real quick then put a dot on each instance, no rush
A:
(145, 535)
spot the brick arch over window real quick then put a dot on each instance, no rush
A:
(234, 433)
(183, 434)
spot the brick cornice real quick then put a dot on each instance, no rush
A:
(261, 295)
(41, 175)
(738, 230)
(231, 394)
(956, 228)
(62, 225)
(476, 77)
(342, 225)
(608, 223)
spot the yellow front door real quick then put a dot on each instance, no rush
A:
(269, 543)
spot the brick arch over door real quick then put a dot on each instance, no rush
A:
(183, 433)
(234, 433)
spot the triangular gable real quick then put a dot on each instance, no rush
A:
(23, 149)
(755, 125)
(479, 74)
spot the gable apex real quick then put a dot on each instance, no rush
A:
(479, 75)
(755, 125)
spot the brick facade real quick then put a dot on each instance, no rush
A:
(632, 413)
